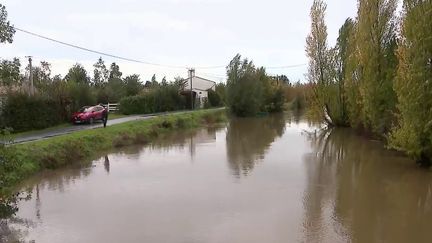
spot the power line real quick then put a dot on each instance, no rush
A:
(108, 54)
(213, 75)
(135, 60)
(289, 66)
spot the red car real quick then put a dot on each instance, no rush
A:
(88, 114)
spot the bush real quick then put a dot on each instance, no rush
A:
(23, 112)
(160, 99)
(214, 99)
(250, 90)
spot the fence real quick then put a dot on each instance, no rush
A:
(112, 107)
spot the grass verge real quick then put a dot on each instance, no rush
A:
(23, 160)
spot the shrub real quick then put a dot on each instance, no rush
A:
(160, 99)
(214, 99)
(23, 112)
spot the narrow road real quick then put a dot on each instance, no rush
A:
(44, 134)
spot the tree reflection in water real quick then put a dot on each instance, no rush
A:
(248, 139)
(8, 209)
(364, 192)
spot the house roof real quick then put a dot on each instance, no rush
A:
(199, 83)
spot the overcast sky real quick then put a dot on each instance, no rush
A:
(174, 32)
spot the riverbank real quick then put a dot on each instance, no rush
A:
(24, 160)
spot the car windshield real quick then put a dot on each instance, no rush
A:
(85, 109)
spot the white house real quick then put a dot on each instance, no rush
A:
(200, 87)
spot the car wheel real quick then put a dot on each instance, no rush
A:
(91, 120)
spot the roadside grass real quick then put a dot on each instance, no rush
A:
(26, 159)
(115, 115)
(112, 116)
(49, 129)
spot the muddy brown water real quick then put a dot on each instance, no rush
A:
(273, 179)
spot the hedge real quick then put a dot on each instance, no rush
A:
(159, 100)
(22, 113)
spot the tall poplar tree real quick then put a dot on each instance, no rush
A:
(327, 95)
(414, 82)
(376, 43)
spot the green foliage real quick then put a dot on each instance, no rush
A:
(296, 95)
(77, 74)
(221, 91)
(327, 98)
(413, 86)
(214, 99)
(79, 95)
(100, 73)
(6, 29)
(276, 101)
(23, 112)
(376, 43)
(373, 82)
(10, 72)
(133, 85)
(353, 80)
(159, 99)
(249, 90)
(77, 89)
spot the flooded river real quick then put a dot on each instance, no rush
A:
(273, 179)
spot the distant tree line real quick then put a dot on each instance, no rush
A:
(378, 76)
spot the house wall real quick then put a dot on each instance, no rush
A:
(200, 86)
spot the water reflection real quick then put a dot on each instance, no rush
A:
(107, 164)
(8, 209)
(247, 140)
(363, 192)
(180, 140)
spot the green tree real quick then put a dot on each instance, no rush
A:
(244, 92)
(7, 30)
(350, 71)
(327, 101)
(180, 82)
(214, 99)
(100, 73)
(78, 86)
(10, 72)
(133, 85)
(77, 74)
(413, 85)
(115, 71)
(115, 87)
(154, 82)
(342, 52)
(221, 91)
(164, 82)
(41, 76)
(376, 44)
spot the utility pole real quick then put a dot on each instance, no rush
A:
(191, 75)
(31, 75)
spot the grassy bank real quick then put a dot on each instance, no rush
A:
(23, 160)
